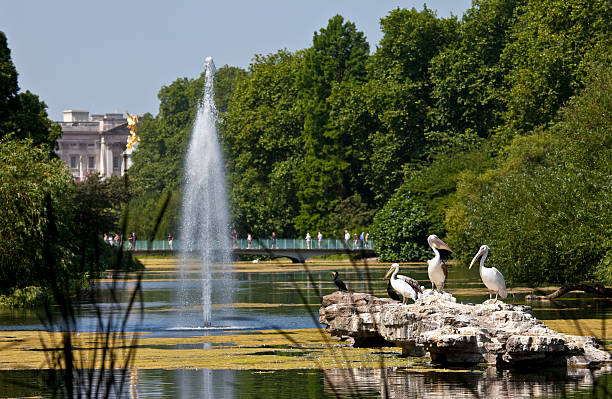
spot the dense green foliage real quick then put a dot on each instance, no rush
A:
(157, 172)
(338, 56)
(50, 227)
(263, 117)
(27, 179)
(401, 228)
(46, 217)
(545, 207)
(22, 115)
(483, 130)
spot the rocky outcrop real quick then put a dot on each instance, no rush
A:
(457, 333)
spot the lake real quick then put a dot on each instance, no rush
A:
(265, 342)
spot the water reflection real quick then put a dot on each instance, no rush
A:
(363, 383)
(272, 297)
(488, 383)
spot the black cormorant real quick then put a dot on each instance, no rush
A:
(339, 283)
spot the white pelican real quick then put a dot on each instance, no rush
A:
(436, 268)
(491, 277)
(405, 286)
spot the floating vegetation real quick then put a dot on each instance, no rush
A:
(256, 350)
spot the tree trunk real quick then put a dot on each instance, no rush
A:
(596, 289)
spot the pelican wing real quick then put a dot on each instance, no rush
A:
(501, 282)
(412, 282)
(392, 294)
(444, 270)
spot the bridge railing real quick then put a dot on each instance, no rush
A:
(301, 243)
(281, 243)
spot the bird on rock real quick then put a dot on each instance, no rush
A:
(491, 277)
(339, 283)
(405, 286)
(436, 268)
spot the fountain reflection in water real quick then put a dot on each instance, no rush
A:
(204, 228)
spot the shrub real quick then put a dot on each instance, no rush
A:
(400, 228)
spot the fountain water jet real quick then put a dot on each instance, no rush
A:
(204, 228)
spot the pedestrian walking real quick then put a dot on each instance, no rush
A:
(319, 238)
(132, 241)
(347, 237)
(249, 240)
(273, 241)
(235, 238)
(170, 240)
(308, 238)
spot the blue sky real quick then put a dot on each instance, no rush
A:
(108, 56)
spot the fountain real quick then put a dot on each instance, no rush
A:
(204, 228)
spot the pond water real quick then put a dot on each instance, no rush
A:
(284, 296)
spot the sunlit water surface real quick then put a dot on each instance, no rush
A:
(272, 296)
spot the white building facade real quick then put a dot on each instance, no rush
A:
(94, 144)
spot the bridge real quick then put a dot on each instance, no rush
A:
(298, 250)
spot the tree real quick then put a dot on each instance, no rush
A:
(157, 171)
(400, 228)
(547, 55)
(8, 82)
(96, 209)
(27, 180)
(467, 77)
(22, 115)
(338, 54)
(261, 138)
(398, 95)
(543, 208)
(226, 80)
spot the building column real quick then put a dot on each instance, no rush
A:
(102, 169)
(109, 160)
(81, 175)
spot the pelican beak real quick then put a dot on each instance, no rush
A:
(441, 244)
(388, 274)
(478, 255)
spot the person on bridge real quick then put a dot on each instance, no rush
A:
(235, 238)
(132, 240)
(308, 238)
(347, 237)
(273, 240)
(170, 240)
(319, 238)
(249, 240)
(362, 239)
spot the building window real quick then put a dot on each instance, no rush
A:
(115, 163)
(73, 162)
(73, 144)
(92, 162)
(90, 145)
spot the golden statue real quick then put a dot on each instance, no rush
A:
(132, 138)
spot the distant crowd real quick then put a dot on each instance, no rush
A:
(355, 241)
(117, 240)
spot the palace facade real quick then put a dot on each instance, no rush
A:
(94, 144)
